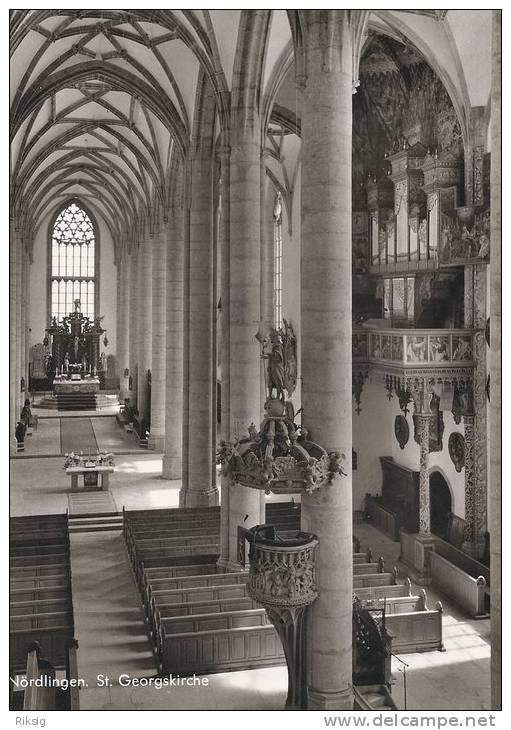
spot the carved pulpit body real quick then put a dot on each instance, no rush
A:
(282, 579)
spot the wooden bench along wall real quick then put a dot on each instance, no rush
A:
(382, 517)
(461, 560)
(466, 591)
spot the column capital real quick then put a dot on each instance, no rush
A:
(336, 35)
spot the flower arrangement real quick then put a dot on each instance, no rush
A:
(89, 461)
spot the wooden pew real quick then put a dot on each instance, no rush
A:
(30, 560)
(39, 581)
(223, 650)
(172, 630)
(397, 604)
(192, 581)
(363, 557)
(375, 579)
(378, 592)
(161, 599)
(25, 608)
(38, 594)
(38, 571)
(466, 591)
(158, 557)
(200, 607)
(366, 568)
(53, 641)
(39, 698)
(416, 631)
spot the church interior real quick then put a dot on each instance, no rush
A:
(255, 360)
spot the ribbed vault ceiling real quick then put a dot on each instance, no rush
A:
(102, 100)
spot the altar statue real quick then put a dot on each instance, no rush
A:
(66, 362)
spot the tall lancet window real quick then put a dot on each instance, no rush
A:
(73, 262)
(277, 261)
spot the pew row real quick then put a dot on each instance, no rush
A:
(223, 650)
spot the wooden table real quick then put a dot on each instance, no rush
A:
(103, 473)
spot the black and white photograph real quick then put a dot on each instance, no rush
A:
(254, 310)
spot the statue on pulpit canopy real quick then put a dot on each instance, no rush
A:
(279, 349)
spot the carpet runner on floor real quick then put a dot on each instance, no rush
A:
(77, 434)
(91, 503)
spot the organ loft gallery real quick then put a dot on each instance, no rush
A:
(255, 360)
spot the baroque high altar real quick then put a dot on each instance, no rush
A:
(75, 343)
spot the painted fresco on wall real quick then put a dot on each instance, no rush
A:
(465, 236)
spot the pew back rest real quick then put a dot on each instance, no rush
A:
(214, 621)
(192, 595)
(377, 579)
(391, 591)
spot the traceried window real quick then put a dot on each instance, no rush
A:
(73, 262)
(277, 261)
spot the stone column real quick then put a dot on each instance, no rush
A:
(496, 366)
(326, 342)
(144, 323)
(197, 490)
(20, 257)
(133, 324)
(172, 458)
(27, 326)
(246, 506)
(224, 243)
(470, 515)
(423, 421)
(13, 403)
(158, 345)
(123, 333)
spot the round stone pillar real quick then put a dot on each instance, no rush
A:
(133, 325)
(124, 338)
(326, 343)
(246, 506)
(172, 457)
(224, 244)
(20, 336)
(159, 275)
(197, 489)
(496, 365)
(13, 403)
(144, 325)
